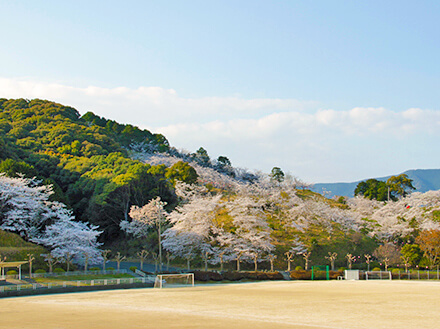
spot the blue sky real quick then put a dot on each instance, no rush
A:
(327, 90)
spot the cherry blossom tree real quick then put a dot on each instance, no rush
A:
(26, 208)
(332, 258)
(367, 260)
(50, 260)
(271, 258)
(145, 217)
(73, 238)
(105, 256)
(252, 234)
(193, 230)
(289, 257)
(119, 258)
(388, 254)
(350, 259)
(142, 255)
(306, 257)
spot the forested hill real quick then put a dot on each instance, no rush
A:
(86, 159)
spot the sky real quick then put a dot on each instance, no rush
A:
(329, 91)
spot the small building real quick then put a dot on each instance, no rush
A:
(11, 264)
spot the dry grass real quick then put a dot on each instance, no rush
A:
(294, 304)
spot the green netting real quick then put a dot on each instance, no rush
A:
(320, 273)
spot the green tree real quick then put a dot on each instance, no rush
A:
(400, 186)
(201, 156)
(13, 168)
(372, 189)
(223, 161)
(277, 174)
(181, 171)
(411, 254)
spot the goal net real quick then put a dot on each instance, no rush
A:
(173, 280)
(351, 274)
(378, 275)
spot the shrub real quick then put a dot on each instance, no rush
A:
(40, 271)
(300, 275)
(274, 276)
(58, 270)
(376, 269)
(299, 268)
(110, 268)
(201, 276)
(11, 272)
(133, 268)
(334, 275)
(95, 268)
(341, 269)
(233, 276)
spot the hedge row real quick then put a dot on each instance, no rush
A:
(307, 274)
(237, 276)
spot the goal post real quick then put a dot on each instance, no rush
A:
(378, 275)
(320, 273)
(173, 280)
(351, 274)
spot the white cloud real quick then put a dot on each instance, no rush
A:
(149, 106)
(315, 144)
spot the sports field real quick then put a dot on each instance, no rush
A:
(292, 304)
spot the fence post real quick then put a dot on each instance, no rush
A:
(418, 274)
(64, 284)
(92, 282)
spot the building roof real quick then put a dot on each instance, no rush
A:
(6, 264)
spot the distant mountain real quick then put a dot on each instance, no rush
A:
(423, 181)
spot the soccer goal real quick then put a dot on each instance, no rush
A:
(320, 273)
(351, 274)
(173, 280)
(378, 275)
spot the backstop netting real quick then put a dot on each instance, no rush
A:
(174, 280)
(320, 273)
(378, 275)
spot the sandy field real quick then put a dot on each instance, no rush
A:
(276, 305)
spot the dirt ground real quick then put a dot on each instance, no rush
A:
(276, 305)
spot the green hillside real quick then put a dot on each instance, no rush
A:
(85, 158)
(13, 247)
